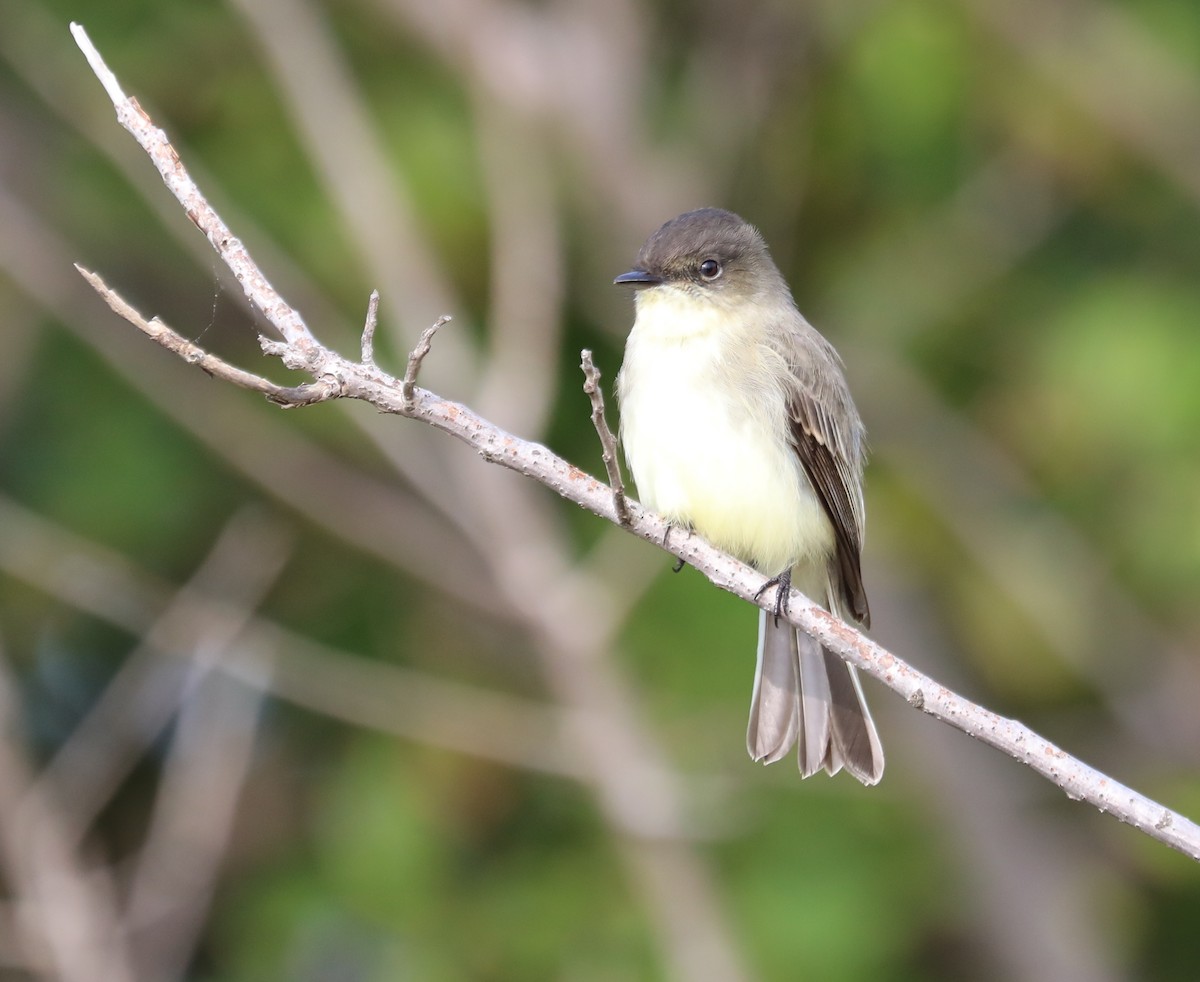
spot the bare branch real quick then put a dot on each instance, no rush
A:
(301, 351)
(608, 442)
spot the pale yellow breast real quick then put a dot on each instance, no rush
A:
(705, 448)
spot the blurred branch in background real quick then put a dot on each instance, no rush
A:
(1111, 66)
(520, 733)
(319, 91)
(65, 907)
(151, 687)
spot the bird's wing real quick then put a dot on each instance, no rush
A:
(831, 453)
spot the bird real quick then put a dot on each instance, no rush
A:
(737, 422)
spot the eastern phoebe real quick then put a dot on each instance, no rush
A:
(737, 422)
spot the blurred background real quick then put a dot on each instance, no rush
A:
(320, 695)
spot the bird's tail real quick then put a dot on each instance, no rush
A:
(806, 695)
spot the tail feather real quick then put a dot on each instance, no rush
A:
(814, 751)
(806, 695)
(775, 705)
(854, 735)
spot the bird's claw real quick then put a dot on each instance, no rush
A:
(783, 590)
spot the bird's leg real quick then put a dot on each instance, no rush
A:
(679, 563)
(783, 589)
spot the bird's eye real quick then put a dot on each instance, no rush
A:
(710, 269)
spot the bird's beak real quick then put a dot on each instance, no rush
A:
(637, 277)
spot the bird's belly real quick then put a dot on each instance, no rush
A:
(704, 454)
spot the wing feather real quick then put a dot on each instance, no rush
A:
(828, 438)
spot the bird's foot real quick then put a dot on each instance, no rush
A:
(783, 589)
(679, 563)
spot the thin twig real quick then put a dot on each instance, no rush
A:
(368, 334)
(289, 397)
(416, 356)
(608, 442)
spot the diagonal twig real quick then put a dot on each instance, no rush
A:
(417, 356)
(286, 396)
(608, 442)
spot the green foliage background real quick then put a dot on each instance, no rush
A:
(993, 212)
